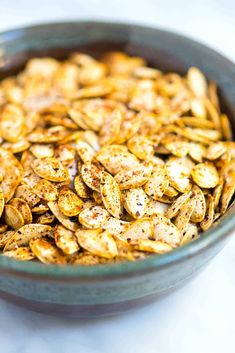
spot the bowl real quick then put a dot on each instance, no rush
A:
(109, 289)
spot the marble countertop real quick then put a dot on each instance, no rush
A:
(199, 317)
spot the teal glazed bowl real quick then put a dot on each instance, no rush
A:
(109, 289)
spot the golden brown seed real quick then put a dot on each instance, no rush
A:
(111, 195)
(179, 171)
(165, 230)
(116, 159)
(184, 215)
(91, 175)
(157, 247)
(209, 219)
(97, 242)
(205, 175)
(69, 203)
(50, 169)
(23, 208)
(140, 229)
(93, 217)
(81, 188)
(228, 191)
(141, 147)
(46, 190)
(46, 252)
(174, 208)
(29, 231)
(134, 177)
(157, 183)
(64, 220)
(65, 240)
(135, 202)
(12, 123)
(13, 217)
(2, 201)
(200, 207)
(23, 254)
(197, 82)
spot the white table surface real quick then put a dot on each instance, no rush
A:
(199, 318)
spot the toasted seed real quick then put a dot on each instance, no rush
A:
(25, 192)
(93, 217)
(111, 127)
(2, 201)
(42, 150)
(175, 207)
(64, 220)
(171, 192)
(12, 172)
(46, 190)
(135, 202)
(65, 240)
(134, 177)
(155, 207)
(215, 150)
(16, 147)
(197, 82)
(205, 175)
(226, 128)
(91, 175)
(40, 208)
(128, 128)
(53, 134)
(209, 219)
(184, 215)
(81, 188)
(51, 169)
(179, 170)
(97, 242)
(23, 254)
(66, 154)
(5, 236)
(198, 108)
(213, 114)
(139, 229)
(178, 146)
(190, 234)
(46, 218)
(115, 226)
(3, 228)
(197, 151)
(165, 230)
(12, 123)
(157, 247)
(217, 192)
(157, 183)
(69, 203)
(117, 160)
(23, 208)
(13, 217)
(228, 191)
(85, 151)
(199, 211)
(46, 252)
(141, 147)
(24, 234)
(111, 195)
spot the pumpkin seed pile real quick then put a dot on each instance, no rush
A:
(111, 160)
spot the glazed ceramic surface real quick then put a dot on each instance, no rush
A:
(108, 289)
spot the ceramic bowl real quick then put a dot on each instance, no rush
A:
(108, 289)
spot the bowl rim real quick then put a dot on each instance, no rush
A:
(154, 262)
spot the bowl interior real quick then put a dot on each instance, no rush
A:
(164, 50)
